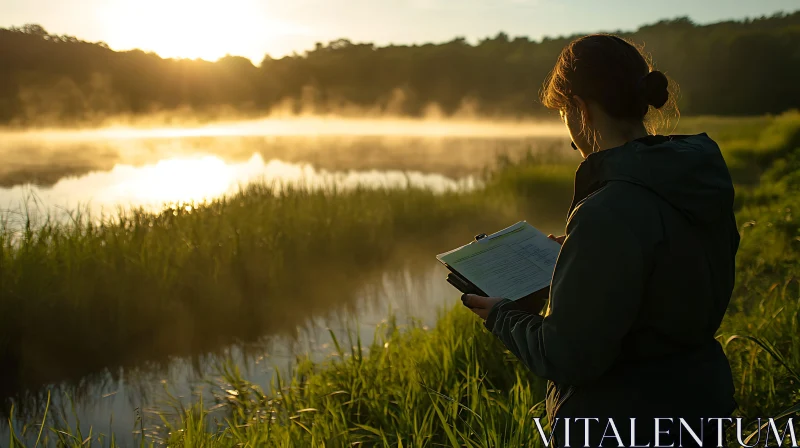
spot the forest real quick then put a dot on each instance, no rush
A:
(746, 67)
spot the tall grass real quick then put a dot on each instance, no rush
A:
(141, 286)
(453, 385)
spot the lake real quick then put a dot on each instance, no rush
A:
(100, 173)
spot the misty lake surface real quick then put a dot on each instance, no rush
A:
(103, 172)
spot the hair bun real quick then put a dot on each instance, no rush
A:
(654, 89)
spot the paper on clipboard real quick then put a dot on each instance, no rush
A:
(512, 263)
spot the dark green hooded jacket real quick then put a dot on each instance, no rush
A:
(640, 288)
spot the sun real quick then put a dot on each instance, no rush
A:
(192, 29)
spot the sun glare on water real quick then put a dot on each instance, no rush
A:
(190, 181)
(199, 179)
(174, 180)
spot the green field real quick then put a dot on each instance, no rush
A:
(76, 297)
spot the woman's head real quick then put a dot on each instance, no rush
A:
(604, 86)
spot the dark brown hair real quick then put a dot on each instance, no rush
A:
(611, 71)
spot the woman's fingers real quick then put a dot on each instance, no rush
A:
(476, 301)
(479, 305)
(557, 239)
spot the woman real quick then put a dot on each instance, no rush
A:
(646, 268)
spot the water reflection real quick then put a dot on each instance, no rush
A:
(107, 400)
(188, 180)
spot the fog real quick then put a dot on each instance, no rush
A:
(125, 166)
(304, 126)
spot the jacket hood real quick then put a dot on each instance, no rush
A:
(687, 171)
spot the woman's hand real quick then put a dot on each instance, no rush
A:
(557, 239)
(478, 304)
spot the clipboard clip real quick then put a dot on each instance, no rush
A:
(480, 236)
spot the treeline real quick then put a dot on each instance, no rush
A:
(728, 68)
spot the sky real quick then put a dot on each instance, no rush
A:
(252, 28)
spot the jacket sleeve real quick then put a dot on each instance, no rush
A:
(594, 299)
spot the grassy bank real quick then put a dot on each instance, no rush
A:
(81, 297)
(453, 385)
(189, 280)
(766, 298)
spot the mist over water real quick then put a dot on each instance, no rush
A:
(102, 171)
(310, 126)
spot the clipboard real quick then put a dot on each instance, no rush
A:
(532, 303)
